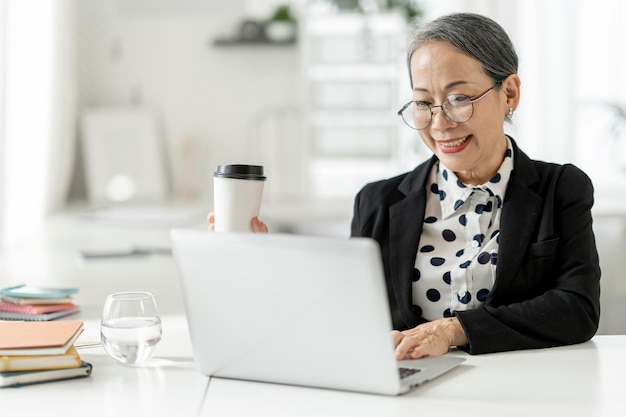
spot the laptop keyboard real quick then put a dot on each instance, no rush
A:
(407, 372)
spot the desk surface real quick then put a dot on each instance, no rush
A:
(581, 380)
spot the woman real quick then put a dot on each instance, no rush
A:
(483, 248)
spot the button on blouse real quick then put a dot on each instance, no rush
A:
(458, 249)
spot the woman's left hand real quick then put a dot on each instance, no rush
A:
(429, 339)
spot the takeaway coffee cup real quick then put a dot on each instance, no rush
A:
(237, 193)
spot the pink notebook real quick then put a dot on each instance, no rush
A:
(35, 309)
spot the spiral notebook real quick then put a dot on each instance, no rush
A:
(35, 303)
(44, 316)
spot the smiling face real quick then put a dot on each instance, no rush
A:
(474, 150)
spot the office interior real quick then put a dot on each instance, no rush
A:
(120, 111)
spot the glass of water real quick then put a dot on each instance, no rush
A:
(131, 327)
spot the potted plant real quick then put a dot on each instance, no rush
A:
(409, 8)
(281, 27)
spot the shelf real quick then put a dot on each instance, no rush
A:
(236, 42)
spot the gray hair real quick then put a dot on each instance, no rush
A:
(476, 36)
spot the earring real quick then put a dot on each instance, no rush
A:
(510, 115)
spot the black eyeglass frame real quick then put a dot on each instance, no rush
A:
(472, 100)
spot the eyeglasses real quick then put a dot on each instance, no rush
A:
(457, 107)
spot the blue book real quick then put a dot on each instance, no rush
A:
(33, 291)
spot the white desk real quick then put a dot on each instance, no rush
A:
(582, 380)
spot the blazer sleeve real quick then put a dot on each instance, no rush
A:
(561, 273)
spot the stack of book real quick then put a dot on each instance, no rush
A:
(32, 303)
(33, 352)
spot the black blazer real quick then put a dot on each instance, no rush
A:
(547, 286)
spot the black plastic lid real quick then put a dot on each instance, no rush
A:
(241, 172)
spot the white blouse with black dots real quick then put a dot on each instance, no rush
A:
(458, 249)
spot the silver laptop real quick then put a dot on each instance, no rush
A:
(292, 309)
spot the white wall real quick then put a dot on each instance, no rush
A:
(161, 55)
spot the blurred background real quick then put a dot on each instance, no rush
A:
(130, 105)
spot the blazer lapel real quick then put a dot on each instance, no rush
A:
(405, 219)
(519, 215)
(405, 226)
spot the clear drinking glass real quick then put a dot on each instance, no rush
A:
(131, 327)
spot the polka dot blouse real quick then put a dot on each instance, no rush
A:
(458, 249)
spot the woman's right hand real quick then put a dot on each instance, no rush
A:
(257, 225)
(434, 338)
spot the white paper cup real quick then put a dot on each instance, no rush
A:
(237, 195)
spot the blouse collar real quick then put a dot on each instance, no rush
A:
(455, 192)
